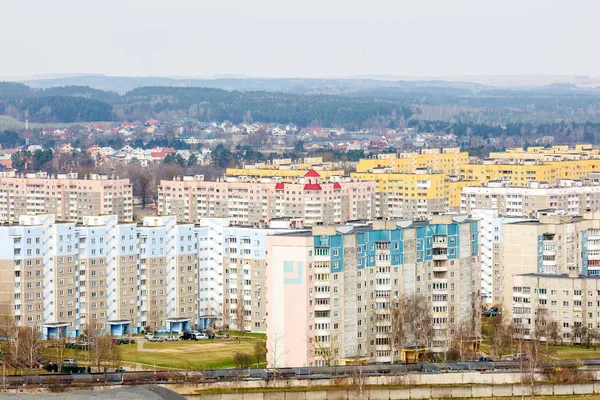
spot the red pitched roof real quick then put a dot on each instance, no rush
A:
(337, 186)
(312, 173)
(279, 186)
(312, 186)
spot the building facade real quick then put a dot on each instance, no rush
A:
(247, 201)
(554, 245)
(556, 307)
(70, 198)
(58, 277)
(571, 197)
(233, 272)
(330, 292)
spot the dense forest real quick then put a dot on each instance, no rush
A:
(365, 105)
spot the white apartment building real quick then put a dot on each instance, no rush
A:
(59, 276)
(570, 197)
(232, 272)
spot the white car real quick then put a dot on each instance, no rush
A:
(149, 336)
(172, 338)
(201, 336)
(157, 339)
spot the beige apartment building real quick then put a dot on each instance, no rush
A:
(571, 197)
(247, 201)
(566, 305)
(330, 292)
(552, 245)
(65, 195)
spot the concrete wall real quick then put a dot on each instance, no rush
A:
(423, 392)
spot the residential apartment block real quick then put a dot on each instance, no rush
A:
(412, 195)
(551, 245)
(285, 170)
(60, 276)
(571, 304)
(70, 198)
(446, 161)
(571, 197)
(246, 201)
(232, 272)
(330, 292)
(519, 172)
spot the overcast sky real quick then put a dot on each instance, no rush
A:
(299, 38)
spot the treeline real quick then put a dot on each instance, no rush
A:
(562, 132)
(385, 106)
(77, 103)
(214, 104)
(61, 104)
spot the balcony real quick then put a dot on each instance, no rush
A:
(440, 245)
(440, 256)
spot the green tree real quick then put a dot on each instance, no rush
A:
(222, 157)
(193, 160)
(20, 159)
(41, 158)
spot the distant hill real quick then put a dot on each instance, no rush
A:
(122, 84)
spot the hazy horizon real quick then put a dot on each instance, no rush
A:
(300, 39)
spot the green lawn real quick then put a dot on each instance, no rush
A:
(555, 352)
(202, 354)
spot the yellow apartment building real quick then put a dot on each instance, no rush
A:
(409, 196)
(286, 169)
(446, 161)
(521, 172)
(559, 153)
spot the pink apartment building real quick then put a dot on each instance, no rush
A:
(65, 195)
(250, 200)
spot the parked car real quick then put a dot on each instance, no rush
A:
(157, 339)
(149, 336)
(483, 358)
(71, 362)
(187, 336)
(201, 336)
(171, 338)
(222, 336)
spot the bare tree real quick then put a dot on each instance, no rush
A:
(553, 332)
(259, 351)
(239, 316)
(24, 347)
(276, 349)
(500, 337)
(359, 376)
(530, 358)
(59, 344)
(462, 343)
(418, 322)
(322, 348)
(397, 326)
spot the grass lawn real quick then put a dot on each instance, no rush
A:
(183, 354)
(574, 352)
(556, 352)
(207, 354)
